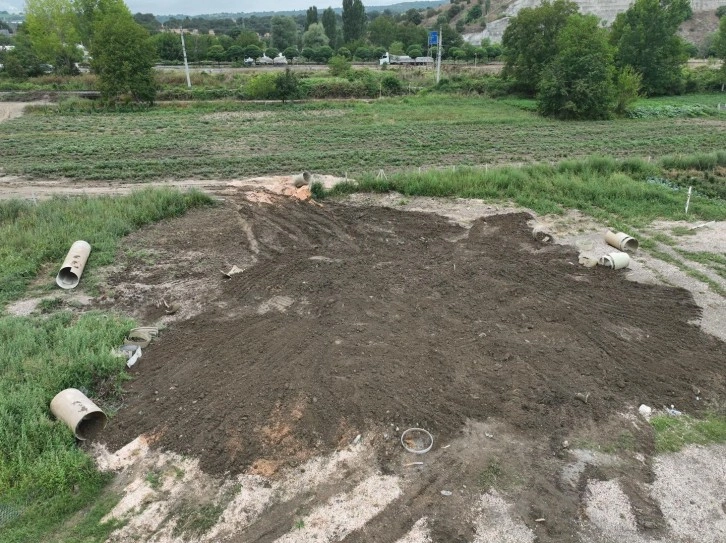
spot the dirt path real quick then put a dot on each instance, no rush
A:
(16, 187)
(10, 110)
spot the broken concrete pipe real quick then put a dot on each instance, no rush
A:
(540, 233)
(70, 273)
(616, 261)
(301, 179)
(621, 241)
(80, 414)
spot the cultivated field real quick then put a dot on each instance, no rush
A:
(233, 140)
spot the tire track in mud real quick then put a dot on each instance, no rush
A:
(491, 324)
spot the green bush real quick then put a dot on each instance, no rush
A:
(578, 82)
(391, 85)
(489, 85)
(333, 87)
(261, 87)
(339, 66)
(703, 79)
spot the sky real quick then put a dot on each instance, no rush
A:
(194, 7)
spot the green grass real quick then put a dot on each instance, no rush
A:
(683, 231)
(154, 479)
(607, 189)
(45, 479)
(674, 433)
(695, 161)
(42, 471)
(715, 261)
(652, 248)
(491, 475)
(705, 99)
(35, 235)
(197, 520)
(233, 139)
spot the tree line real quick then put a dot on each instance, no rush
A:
(355, 34)
(572, 64)
(577, 69)
(61, 34)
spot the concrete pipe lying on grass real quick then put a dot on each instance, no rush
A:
(540, 233)
(621, 241)
(80, 414)
(301, 179)
(615, 261)
(72, 268)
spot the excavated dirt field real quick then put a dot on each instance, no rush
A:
(367, 320)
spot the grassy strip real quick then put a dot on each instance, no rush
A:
(44, 477)
(673, 433)
(715, 261)
(602, 187)
(33, 235)
(231, 139)
(652, 248)
(696, 161)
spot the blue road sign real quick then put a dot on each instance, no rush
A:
(433, 37)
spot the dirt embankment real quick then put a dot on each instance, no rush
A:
(347, 318)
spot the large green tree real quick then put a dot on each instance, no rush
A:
(284, 32)
(382, 31)
(123, 56)
(579, 82)
(311, 16)
(248, 37)
(168, 46)
(315, 36)
(329, 23)
(530, 41)
(148, 21)
(646, 38)
(52, 29)
(354, 20)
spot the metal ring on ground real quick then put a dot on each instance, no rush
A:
(410, 434)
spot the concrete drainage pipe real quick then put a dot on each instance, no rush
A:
(80, 414)
(616, 261)
(621, 241)
(70, 273)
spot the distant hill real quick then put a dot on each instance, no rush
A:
(393, 8)
(695, 30)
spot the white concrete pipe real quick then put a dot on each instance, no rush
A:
(80, 414)
(72, 268)
(540, 233)
(621, 241)
(615, 261)
(301, 179)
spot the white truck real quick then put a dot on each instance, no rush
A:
(395, 59)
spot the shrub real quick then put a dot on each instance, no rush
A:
(287, 85)
(627, 88)
(339, 66)
(578, 82)
(260, 87)
(391, 85)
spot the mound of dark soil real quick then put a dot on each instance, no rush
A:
(355, 317)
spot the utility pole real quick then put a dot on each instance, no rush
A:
(186, 64)
(438, 56)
